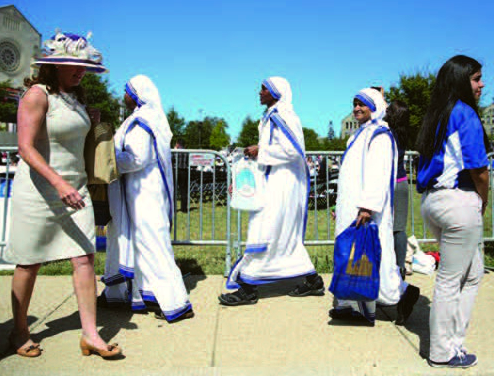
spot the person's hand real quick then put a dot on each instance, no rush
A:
(94, 115)
(363, 217)
(252, 151)
(69, 195)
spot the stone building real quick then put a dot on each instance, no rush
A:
(348, 125)
(19, 43)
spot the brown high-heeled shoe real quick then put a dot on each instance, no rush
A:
(33, 350)
(88, 349)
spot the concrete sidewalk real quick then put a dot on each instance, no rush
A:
(279, 335)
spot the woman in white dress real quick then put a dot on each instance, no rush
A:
(52, 215)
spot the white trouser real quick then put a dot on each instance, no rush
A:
(454, 217)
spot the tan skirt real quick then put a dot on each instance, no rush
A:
(42, 228)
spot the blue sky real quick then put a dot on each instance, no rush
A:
(213, 55)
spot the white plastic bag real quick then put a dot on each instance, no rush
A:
(417, 260)
(423, 263)
(248, 185)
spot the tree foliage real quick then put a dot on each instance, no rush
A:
(8, 107)
(249, 134)
(219, 137)
(415, 90)
(99, 96)
(197, 134)
(177, 125)
(311, 139)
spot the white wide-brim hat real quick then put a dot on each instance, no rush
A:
(90, 65)
(71, 49)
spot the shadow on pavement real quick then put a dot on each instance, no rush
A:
(111, 321)
(192, 272)
(280, 288)
(417, 323)
(5, 329)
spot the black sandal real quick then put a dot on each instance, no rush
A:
(237, 298)
(188, 314)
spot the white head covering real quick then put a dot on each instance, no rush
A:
(280, 89)
(374, 100)
(142, 90)
(149, 114)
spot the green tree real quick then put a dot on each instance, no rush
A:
(99, 96)
(219, 137)
(336, 144)
(177, 125)
(8, 107)
(249, 134)
(311, 139)
(415, 90)
(197, 134)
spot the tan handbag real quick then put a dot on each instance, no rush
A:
(101, 169)
(99, 155)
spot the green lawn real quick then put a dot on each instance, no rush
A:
(210, 260)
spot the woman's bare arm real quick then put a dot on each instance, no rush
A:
(480, 178)
(30, 123)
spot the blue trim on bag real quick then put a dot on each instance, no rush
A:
(276, 118)
(256, 248)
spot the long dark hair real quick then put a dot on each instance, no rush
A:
(47, 75)
(452, 84)
(398, 118)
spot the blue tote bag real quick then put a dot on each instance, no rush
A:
(357, 259)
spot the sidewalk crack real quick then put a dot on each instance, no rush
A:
(216, 326)
(43, 319)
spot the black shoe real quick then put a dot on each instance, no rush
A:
(188, 314)
(403, 273)
(315, 288)
(348, 314)
(406, 303)
(101, 301)
(240, 297)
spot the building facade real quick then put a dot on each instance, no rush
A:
(348, 126)
(19, 43)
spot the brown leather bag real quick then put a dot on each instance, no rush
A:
(101, 169)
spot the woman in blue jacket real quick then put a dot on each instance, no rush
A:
(453, 179)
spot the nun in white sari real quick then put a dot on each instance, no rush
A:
(141, 204)
(275, 248)
(365, 191)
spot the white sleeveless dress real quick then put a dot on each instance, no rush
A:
(42, 228)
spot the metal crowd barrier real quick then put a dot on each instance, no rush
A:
(202, 178)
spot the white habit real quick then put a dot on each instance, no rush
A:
(365, 182)
(141, 203)
(275, 248)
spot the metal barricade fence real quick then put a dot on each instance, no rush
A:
(202, 178)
